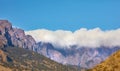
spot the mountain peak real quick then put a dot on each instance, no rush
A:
(10, 36)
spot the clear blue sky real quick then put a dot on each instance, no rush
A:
(61, 14)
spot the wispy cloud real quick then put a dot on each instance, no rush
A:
(82, 37)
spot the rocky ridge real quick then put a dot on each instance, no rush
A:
(10, 36)
(82, 57)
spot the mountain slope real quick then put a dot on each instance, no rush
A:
(110, 64)
(13, 58)
(19, 59)
(79, 56)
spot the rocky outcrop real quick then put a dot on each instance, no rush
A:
(14, 37)
(19, 39)
(3, 41)
(5, 26)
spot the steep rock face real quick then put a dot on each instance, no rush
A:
(19, 39)
(3, 41)
(5, 26)
(43, 48)
(14, 37)
(83, 57)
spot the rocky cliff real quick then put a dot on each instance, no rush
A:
(83, 57)
(10, 36)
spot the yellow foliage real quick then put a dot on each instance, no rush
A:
(110, 64)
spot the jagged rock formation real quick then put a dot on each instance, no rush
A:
(112, 63)
(14, 37)
(83, 57)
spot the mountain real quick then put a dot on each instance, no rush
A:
(19, 59)
(10, 36)
(85, 57)
(112, 63)
(14, 58)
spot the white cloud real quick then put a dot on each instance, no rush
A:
(82, 37)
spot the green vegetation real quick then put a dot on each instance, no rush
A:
(19, 59)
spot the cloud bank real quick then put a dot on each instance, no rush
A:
(82, 37)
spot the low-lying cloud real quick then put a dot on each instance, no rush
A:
(82, 37)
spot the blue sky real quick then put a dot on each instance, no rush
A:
(61, 14)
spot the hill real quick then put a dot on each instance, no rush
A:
(19, 59)
(110, 64)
